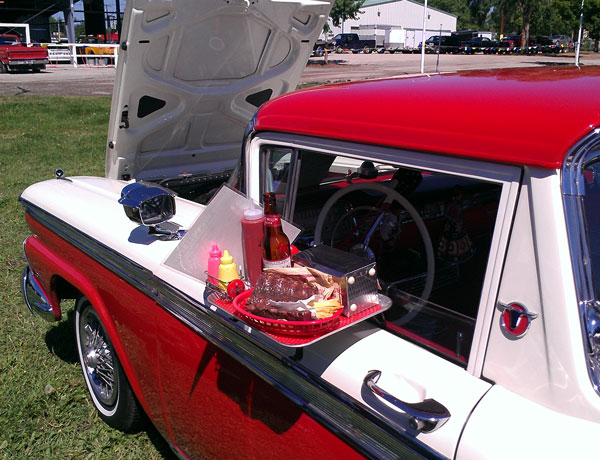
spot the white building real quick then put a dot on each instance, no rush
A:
(398, 23)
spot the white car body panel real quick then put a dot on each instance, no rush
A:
(559, 379)
(100, 216)
(507, 426)
(405, 368)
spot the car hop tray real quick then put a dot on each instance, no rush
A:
(295, 335)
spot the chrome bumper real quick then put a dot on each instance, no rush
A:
(35, 297)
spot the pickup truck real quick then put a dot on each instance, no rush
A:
(14, 55)
(352, 42)
(471, 254)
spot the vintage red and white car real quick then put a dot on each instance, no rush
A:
(482, 340)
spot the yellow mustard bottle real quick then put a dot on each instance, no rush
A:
(227, 270)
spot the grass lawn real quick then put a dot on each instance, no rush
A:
(45, 410)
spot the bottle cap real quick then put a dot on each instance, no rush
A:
(226, 259)
(215, 251)
(253, 213)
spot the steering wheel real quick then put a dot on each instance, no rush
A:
(390, 196)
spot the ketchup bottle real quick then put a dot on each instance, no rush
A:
(252, 237)
(276, 245)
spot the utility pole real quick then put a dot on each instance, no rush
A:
(423, 38)
(579, 35)
(118, 7)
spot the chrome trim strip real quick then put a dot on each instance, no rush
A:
(573, 189)
(356, 424)
(35, 298)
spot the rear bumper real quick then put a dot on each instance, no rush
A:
(35, 296)
(27, 62)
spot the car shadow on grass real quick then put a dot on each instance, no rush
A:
(60, 340)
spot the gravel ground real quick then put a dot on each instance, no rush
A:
(66, 80)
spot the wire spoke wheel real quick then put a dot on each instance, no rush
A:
(104, 377)
(98, 359)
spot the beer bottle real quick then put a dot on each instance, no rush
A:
(276, 245)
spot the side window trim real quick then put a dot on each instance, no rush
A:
(573, 189)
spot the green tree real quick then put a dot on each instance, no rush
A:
(459, 8)
(79, 30)
(343, 10)
(591, 20)
(526, 8)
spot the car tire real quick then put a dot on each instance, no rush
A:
(3, 68)
(106, 382)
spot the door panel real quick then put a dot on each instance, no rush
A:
(412, 374)
(218, 409)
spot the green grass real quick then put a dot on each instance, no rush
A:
(45, 410)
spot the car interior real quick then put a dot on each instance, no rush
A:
(429, 234)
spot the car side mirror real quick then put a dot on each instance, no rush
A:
(367, 170)
(149, 205)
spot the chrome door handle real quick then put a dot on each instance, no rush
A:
(425, 416)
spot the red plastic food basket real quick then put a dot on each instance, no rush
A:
(281, 326)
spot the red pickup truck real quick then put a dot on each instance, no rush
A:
(14, 55)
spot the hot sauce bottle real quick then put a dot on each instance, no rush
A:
(276, 245)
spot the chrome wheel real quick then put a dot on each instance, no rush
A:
(104, 377)
(98, 359)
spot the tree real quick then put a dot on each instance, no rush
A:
(460, 8)
(591, 19)
(526, 8)
(343, 10)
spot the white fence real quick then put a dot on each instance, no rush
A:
(88, 54)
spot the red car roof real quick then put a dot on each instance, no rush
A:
(529, 116)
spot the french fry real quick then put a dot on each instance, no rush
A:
(326, 308)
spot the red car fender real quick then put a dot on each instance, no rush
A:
(47, 264)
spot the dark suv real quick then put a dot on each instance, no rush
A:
(442, 43)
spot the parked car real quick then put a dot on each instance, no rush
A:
(473, 327)
(512, 40)
(480, 44)
(15, 55)
(352, 42)
(544, 44)
(445, 44)
(564, 41)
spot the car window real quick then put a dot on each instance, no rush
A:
(428, 233)
(9, 41)
(591, 201)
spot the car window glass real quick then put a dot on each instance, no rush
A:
(275, 174)
(346, 203)
(591, 203)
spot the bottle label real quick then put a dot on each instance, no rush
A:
(272, 220)
(283, 263)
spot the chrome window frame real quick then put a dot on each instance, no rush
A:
(573, 191)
